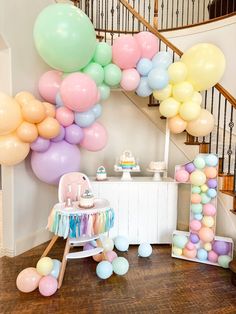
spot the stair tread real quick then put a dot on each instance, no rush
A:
(231, 193)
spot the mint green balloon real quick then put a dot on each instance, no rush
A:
(120, 266)
(103, 54)
(112, 74)
(199, 162)
(95, 71)
(196, 189)
(104, 91)
(224, 261)
(180, 241)
(205, 198)
(196, 208)
(64, 37)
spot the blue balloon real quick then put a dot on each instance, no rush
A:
(97, 110)
(211, 160)
(158, 78)
(198, 217)
(121, 243)
(104, 270)
(144, 66)
(144, 89)
(144, 250)
(211, 193)
(162, 59)
(84, 119)
(59, 102)
(202, 255)
(104, 91)
(56, 268)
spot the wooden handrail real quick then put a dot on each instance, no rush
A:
(151, 29)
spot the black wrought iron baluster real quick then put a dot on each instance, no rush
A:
(139, 23)
(198, 11)
(216, 9)
(162, 13)
(204, 10)
(218, 123)
(92, 8)
(177, 14)
(224, 132)
(86, 7)
(193, 8)
(99, 17)
(106, 19)
(126, 19)
(167, 15)
(123, 17)
(205, 105)
(118, 15)
(133, 18)
(231, 126)
(149, 12)
(182, 13)
(172, 14)
(188, 12)
(144, 12)
(212, 108)
(102, 26)
(112, 21)
(227, 7)
(221, 7)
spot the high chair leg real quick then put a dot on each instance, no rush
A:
(50, 245)
(63, 264)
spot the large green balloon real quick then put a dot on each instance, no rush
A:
(103, 54)
(95, 71)
(113, 74)
(64, 37)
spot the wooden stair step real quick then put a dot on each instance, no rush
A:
(230, 193)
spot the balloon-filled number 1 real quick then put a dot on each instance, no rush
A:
(201, 244)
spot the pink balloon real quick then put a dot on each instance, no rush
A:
(48, 286)
(28, 280)
(181, 175)
(110, 256)
(130, 79)
(49, 84)
(95, 137)
(64, 116)
(126, 52)
(78, 92)
(148, 43)
(212, 257)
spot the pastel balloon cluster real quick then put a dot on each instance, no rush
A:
(44, 277)
(200, 68)
(201, 243)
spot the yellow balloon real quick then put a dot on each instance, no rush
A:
(169, 107)
(177, 72)
(164, 93)
(208, 221)
(183, 91)
(49, 128)
(44, 266)
(24, 97)
(177, 251)
(204, 188)
(12, 150)
(27, 132)
(197, 177)
(206, 65)
(177, 125)
(207, 246)
(189, 110)
(197, 98)
(203, 125)
(10, 114)
(34, 111)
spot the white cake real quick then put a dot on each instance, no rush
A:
(86, 200)
(101, 174)
(127, 162)
(157, 165)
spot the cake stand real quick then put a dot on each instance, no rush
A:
(157, 174)
(126, 176)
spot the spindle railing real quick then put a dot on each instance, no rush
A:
(116, 17)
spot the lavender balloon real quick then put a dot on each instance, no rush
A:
(212, 183)
(60, 136)
(190, 167)
(194, 238)
(74, 134)
(40, 145)
(221, 247)
(88, 246)
(60, 158)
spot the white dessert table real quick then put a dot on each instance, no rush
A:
(145, 210)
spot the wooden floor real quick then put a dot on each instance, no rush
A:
(159, 284)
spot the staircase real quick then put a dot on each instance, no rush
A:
(116, 17)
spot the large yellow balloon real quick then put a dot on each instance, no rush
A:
(34, 111)
(203, 125)
(177, 125)
(164, 93)
(183, 91)
(23, 98)
(169, 107)
(197, 98)
(10, 114)
(189, 111)
(177, 72)
(49, 128)
(12, 150)
(27, 132)
(206, 65)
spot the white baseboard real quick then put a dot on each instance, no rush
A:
(6, 252)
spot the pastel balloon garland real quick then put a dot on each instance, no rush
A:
(84, 72)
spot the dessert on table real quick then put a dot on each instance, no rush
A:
(101, 174)
(127, 162)
(86, 200)
(157, 165)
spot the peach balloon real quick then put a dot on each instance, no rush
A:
(210, 172)
(195, 225)
(50, 109)
(64, 116)
(34, 111)
(206, 234)
(98, 258)
(177, 124)
(49, 128)
(203, 125)
(23, 98)
(196, 198)
(10, 114)
(28, 280)
(12, 150)
(27, 132)
(189, 253)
